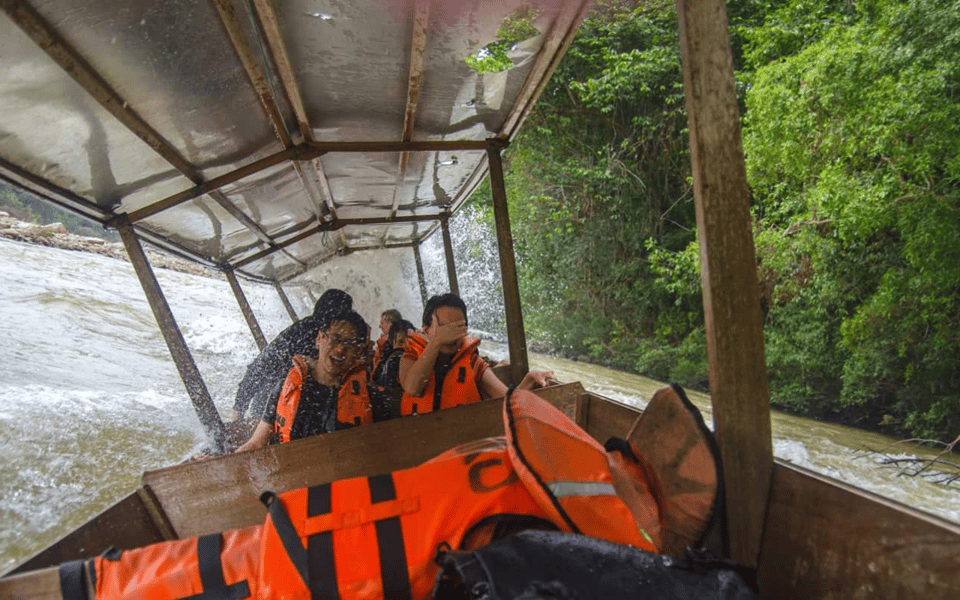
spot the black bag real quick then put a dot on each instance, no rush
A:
(546, 565)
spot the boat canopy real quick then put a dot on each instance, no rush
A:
(265, 137)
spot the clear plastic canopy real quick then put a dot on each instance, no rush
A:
(267, 136)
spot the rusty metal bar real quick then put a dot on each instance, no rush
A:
(296, 152)
(420, 278)
(448, 253)
(286, 301)
(83, 73)
(418, 47)
(189, 373)
(278, 49)
(333, 226)
(728, 272)
(245, 309)
(246, 55)
(261, 86)
(516, 337)
(305, 151)
(411, 146)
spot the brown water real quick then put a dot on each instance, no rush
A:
(849, 455)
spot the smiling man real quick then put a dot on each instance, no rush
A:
(326, 394)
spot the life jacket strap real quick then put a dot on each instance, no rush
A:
(209, 548)
(71, 580)
(315, 563)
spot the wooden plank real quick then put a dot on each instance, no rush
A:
(826, 539)
(566, 397)
(223, 493)
(728, 267)
(127, 524)
(608, 418)
(37, 585)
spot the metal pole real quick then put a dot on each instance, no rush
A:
(423, 283)
(286, 301)
(448, 252)
(728, 267)
(245, 309)
(516, 337)
(202, 402)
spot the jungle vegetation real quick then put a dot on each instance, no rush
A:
(851, 135)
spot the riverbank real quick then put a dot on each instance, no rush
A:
(55, 235)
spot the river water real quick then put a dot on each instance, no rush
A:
(90, 398)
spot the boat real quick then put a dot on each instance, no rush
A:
(263, 138)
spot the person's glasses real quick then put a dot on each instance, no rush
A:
(348, 343)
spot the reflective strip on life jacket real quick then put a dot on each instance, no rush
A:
(458, 386)
(562, 489)
(210, 567)
(568, 472)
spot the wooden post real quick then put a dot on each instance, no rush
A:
(516, 337)
(423, 283)
(448, 251)
(245, 309)
(202, 402)
(286, 301)
(728, 266)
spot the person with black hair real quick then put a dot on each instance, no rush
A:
(443, 368)
(272, 364)
(325, 394)
(387, 374)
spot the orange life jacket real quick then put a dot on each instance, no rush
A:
(353, 399)
(219, 565)
(457, 387)
(377, 537)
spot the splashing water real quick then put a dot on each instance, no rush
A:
(91, 398)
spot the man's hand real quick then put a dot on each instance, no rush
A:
(448, 333)
(535, 379)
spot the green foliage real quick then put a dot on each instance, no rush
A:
(852, 146)
(28, 208)
(515, 28)
(852, 140)
(600, 169)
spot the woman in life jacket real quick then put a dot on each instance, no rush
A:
(384, 344)
(443, 368)
(324, 395)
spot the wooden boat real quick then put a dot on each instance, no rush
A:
(262, 138)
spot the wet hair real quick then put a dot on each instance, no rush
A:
(449, 299)
(332, 302)
(392, 315)
(352, 317)
(398, 326)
